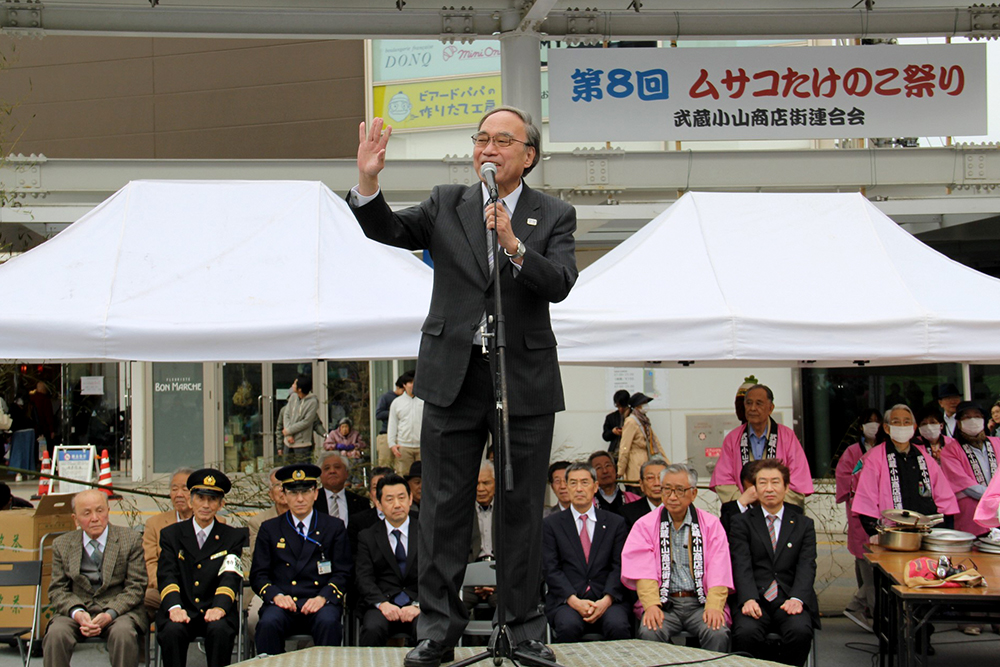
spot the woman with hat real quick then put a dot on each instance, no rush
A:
(638, 443)
(345, 439)
(970, 463)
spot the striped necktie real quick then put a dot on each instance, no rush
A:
(772, 591)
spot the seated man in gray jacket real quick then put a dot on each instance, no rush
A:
(98, 586)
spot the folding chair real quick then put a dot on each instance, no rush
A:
(27, 573)
(481, 573)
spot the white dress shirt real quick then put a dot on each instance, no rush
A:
(102, 540)
(404, 538)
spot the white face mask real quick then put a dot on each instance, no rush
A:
(871, 429)
(931, 431)
(972, 426)
(901, 433)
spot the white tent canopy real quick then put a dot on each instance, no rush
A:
(214, 271)
(777, 279)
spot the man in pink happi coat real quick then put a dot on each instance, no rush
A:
(970, 463)
(677, 559)
(761, 438)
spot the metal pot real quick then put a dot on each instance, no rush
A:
(900, 539)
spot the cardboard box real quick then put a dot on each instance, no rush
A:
(20, 534)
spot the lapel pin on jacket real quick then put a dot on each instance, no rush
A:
(532, 222)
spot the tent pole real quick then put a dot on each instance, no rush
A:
(967, 380)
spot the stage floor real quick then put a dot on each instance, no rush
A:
(627, 653)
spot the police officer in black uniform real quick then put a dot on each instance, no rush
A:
(301, 565)
(199, 573)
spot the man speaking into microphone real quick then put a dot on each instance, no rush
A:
(537, 267)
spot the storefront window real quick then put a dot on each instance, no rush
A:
(178, 416)
(93, 413)
(833, 398)
(347, 396)
(243, 427)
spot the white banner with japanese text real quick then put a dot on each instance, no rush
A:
(767, 92)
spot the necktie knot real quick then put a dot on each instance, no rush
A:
(201, 538)
(95, 552)
(302, 529)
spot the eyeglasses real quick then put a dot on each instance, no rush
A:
(502, 140)
(675, 490)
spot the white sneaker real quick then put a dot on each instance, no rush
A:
(860, 619)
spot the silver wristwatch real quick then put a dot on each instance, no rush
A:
(520, 251)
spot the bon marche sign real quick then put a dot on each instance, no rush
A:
(767, 92)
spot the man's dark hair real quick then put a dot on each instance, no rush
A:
(304, 383)
(580, 465)
(621, 398)
(405, 377)
(557, 466)
(748, 473)
(598, 454)
(391, 479)
(773, 464)
(767, 390)
(381, 470)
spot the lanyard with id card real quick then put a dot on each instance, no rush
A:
(323, 566)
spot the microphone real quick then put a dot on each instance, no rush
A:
(489, 174)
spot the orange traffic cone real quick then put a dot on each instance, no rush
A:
(105, 478)
(44, 483)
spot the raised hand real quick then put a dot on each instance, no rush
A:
(371, 155)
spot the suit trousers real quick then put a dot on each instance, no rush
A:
(452, 442)
(174, 639)
(276, 625)
(685, 615)
(63, 634)
(376, 629)
(568, 626)
(796, 633)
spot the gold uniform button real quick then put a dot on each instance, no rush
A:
(293, 582)
(315, 583)
(198, 582)
(295, 599)
(199, 564)
(197, 600)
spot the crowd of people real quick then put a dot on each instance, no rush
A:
(618, 562)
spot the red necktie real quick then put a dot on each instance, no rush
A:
(772, 591)
(584, 537)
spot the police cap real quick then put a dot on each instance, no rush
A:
(209, 482)
(298, 476)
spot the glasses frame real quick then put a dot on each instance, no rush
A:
(493, 138)
(675, 490)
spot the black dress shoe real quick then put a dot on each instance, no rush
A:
(532, 648)
(428, 653)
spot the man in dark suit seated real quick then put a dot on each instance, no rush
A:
(387, 567)
(747, 499)
(649, 483)
(774, 568)
(301, 564)
(333, 498)
(581, 554)
(557, 482)
(610, 495)
(362, 520)
(199, 571)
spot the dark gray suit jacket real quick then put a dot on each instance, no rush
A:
(450, 225)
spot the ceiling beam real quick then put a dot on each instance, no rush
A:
(449, 23)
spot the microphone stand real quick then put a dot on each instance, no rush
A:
(494, 340)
